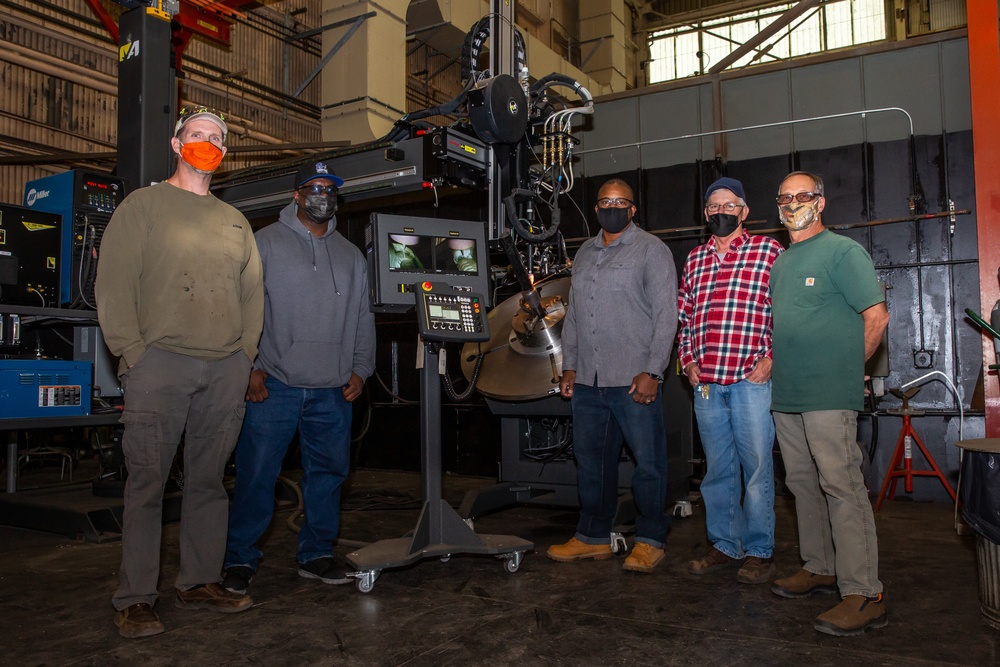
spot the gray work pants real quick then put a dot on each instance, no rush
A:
(823, 470)
(166, 395)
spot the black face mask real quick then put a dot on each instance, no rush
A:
(723, 224)
(320, 208)
(613, 220)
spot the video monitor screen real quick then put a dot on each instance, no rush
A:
(433, 254)
(404, 251)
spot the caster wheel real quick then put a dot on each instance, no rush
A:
(365, 585)
(445, 558)
(511, 565)
(618, 545)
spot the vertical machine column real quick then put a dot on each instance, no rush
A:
(147, 96)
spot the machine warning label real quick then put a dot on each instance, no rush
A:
(58, 396)
(36, 226)
(50, 262)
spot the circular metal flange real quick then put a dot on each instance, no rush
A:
(524, 354)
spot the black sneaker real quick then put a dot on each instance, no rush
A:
(324, 569)
(238, 579)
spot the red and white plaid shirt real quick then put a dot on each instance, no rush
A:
(724, 305)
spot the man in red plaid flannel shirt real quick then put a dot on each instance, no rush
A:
(724, 305)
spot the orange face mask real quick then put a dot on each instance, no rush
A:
(202, 155)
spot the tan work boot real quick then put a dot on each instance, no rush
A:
(713, 560)
(803, 584)
(212, 597)
(644, 558)
(575, 550)
(756, 570)
(853, 616)
(138, 620)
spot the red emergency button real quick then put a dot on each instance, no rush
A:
(426, 286)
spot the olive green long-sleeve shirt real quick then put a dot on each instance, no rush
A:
(181, 272)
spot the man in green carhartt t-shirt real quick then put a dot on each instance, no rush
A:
(829, 316)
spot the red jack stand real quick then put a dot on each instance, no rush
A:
(902, 457)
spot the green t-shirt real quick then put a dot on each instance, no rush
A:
(819, 287)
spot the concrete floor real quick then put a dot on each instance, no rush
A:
(55, 601)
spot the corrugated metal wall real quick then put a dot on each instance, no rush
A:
(931, 92)
(58, 69)
(945, 14)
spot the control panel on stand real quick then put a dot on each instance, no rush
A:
(449, 315)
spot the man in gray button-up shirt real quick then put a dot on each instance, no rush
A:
(617, 337)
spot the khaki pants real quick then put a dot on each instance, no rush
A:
(167, 395)
(823, 470)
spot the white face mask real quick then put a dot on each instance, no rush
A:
(796, 216)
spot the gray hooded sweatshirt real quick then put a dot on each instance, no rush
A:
(317, 325)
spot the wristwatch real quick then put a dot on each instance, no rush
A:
(655, 376)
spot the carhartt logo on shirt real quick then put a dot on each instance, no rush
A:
(810, 282)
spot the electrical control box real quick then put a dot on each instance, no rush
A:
(44, 388)
(85, 200)
(29, 256)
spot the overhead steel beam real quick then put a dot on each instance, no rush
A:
(772, 29)
(104, 17)
(355, 24)
(208, 24)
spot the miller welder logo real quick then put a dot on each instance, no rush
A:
(128, 50)
(34, 195)
(512, 106)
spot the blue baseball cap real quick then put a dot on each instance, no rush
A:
(726, 183)
(313, 170)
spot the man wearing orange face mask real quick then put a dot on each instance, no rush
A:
(180, 299)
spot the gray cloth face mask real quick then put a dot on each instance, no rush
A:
(320, 208)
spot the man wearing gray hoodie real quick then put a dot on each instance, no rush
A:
(316, 351)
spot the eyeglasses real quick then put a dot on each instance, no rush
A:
(617, 202)
(728, 207)
(317, 189)
(187, 112)
(801, 197)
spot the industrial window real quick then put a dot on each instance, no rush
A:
(691, 49)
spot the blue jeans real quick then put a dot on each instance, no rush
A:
(602, 417)
(323, 419)
(737, 431)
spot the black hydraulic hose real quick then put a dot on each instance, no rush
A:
(550, 80)
(510, 204)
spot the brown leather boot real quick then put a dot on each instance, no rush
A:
(138, 620)
(212, 597)
(803, 584)
(712, 560)
(756, 570)
(853, 616)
